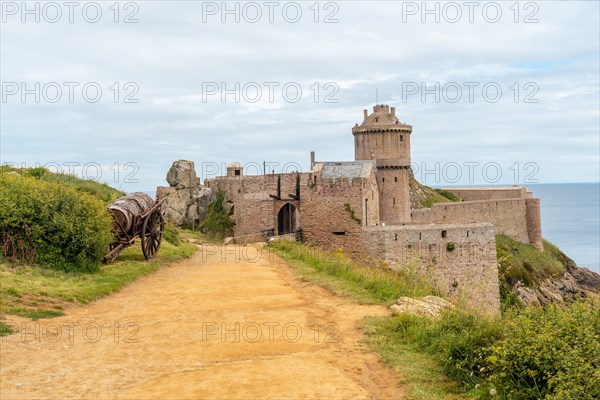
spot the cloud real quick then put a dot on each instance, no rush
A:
(170, 53)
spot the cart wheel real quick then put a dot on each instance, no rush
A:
(152, 232)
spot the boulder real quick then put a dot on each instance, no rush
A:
(428, 306)
(183, 175)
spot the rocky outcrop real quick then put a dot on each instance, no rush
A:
(576, 282)
(182, 175)
(186, 200)
(428, 306)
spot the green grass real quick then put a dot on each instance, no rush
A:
(552, 350)
(34, 314)
(365, 284)
(37, 292)
(5, 329)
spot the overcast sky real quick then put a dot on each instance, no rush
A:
(173, 59)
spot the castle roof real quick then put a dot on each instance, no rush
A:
(382, 118)
(347, 169)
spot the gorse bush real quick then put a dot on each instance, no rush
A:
(52, 224)
(549, 353)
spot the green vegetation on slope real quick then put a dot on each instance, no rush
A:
(52, 224)
(427, 196)
(100, 190)
(520, 262)
(55, 230)
(523, 262)
(217, 223)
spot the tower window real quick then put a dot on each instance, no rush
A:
(376, 119)
(444, 234)
(395, 236)
(393, 201)
(395, 179)
(237, 172)
(401, 138)
(382, 179)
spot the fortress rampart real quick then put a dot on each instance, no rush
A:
(457, 259)
(363, 207)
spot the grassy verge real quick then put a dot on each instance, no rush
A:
(420, 373)
(37, 292)
(366, 285)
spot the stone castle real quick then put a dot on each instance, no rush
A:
(367, 208)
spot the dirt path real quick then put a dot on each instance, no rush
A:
(203, 328)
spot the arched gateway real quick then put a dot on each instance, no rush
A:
(288, 219)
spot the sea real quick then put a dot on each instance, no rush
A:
(571, 219)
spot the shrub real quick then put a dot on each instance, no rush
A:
(451, 246)
(550, 353)
(52, 224)
(217, 222)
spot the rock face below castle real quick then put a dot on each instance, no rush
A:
(186, 200)
(576, 282)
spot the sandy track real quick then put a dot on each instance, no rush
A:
(162, 337)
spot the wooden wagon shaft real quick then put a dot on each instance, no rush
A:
(114, 253)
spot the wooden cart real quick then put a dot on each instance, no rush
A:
(136, 215)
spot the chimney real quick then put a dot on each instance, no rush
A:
(393, 111)
(366, 114)
(312, 159)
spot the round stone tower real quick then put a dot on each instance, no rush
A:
(383, 138)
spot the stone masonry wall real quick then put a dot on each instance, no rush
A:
(326, 221)
(467, 273)
(253, 209)
(508, 216)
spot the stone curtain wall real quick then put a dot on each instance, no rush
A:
(517, 218)
(466, 271)
(474, 194)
